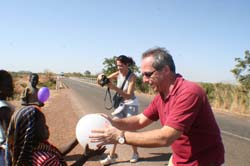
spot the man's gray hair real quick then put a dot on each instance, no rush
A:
(161, 58)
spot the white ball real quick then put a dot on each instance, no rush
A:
(84, 127)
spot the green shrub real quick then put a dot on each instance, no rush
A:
(140, 86)
(51, 84)
(209, 89)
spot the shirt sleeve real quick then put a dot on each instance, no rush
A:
(184, 111)
(151, 111)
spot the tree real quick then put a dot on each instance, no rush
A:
(242, 70)
(110, 66)
(87, 73)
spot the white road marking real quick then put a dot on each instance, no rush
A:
(234, 135)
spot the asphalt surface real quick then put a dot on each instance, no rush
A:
(235, 130)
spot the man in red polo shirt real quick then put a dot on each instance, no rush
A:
(188, 123)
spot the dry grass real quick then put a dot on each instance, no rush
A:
(231, 98)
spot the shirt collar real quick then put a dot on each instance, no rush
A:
(179, 79)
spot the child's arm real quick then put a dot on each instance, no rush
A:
(66, 149)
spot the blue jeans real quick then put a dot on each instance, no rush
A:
(2, 161)
(128, 110)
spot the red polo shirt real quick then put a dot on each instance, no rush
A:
(187, 109)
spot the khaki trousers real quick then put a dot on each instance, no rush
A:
(170, 163)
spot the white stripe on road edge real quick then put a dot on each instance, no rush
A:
(234, 135)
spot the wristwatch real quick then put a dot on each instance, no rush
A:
(121, 138)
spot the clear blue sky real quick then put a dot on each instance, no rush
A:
(203, 36)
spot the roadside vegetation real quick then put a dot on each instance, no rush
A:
(228, 97)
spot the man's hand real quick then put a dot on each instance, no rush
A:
(103, 136)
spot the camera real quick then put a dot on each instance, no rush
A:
(104, 80)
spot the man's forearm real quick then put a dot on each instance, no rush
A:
(131, 123)
(153, 138)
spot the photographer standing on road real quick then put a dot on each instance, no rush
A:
(129, 104)
(182, 106)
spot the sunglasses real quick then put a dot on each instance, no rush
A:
(148, 74)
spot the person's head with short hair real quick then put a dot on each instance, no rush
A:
(158, 69)
(34, 78)
(6, 85)
(161, 58)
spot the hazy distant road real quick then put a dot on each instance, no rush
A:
(235, 131)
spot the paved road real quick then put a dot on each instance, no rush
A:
(235, 131)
